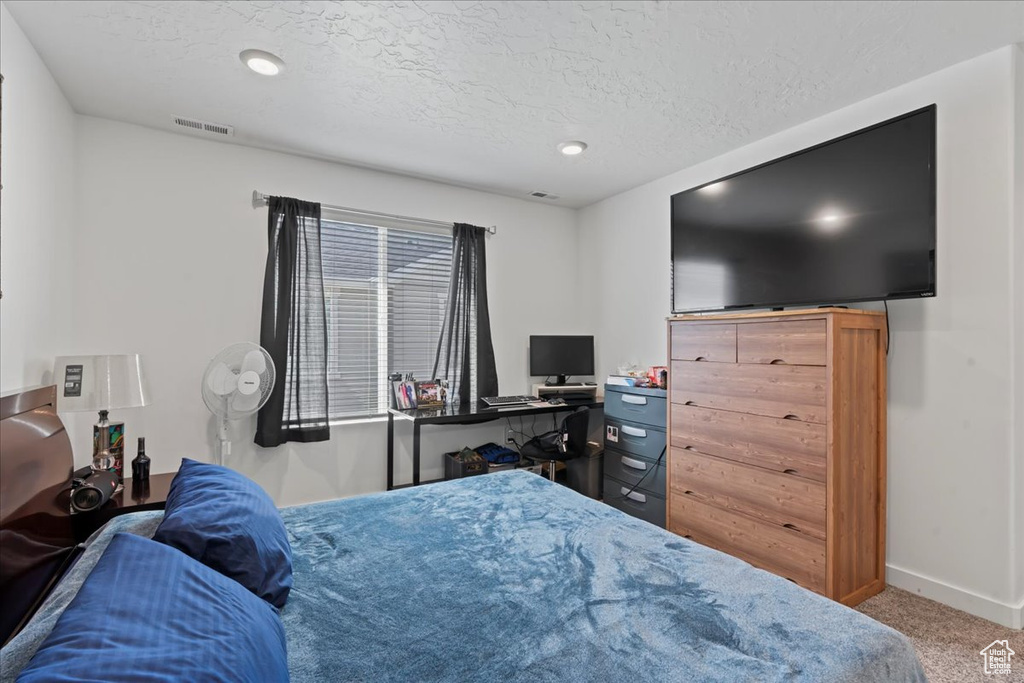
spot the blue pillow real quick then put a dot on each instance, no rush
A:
(229, 523)
(150, 613)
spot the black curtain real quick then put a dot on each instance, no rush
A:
(466, 311)
(294, 326)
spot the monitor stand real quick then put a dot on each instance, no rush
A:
(560, 380)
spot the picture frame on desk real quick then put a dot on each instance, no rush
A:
(404, 394)
(429, 394)
(408, 394)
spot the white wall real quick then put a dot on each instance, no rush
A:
(171, 257)
(951, 416)
(36, 217)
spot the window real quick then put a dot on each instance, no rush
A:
(385, 290)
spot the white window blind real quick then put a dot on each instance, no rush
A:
(385, 291)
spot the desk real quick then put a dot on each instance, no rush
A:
(465, 414)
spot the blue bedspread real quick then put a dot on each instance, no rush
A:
(507, 577)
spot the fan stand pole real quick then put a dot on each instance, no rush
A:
(225, 442)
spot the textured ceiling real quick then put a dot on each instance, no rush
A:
(479, 93)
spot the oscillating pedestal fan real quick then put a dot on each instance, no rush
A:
(237, 382)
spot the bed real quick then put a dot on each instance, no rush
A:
(511, 577)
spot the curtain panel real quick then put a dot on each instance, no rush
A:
(467, 312)
(293, 327)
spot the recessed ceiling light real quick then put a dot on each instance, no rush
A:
(263, 63)
(571, 148)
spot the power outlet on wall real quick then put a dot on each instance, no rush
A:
(510, 436)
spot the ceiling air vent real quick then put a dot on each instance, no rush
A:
(204, 126)
(543, 195)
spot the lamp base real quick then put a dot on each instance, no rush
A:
(108, 446)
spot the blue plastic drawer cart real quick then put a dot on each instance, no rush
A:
(634, 451)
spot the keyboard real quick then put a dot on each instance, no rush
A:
(508, 400)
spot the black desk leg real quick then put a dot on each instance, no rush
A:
(391, 451)
(415, 453)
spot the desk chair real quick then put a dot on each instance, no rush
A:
(565, 443)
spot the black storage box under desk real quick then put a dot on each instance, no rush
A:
(456, 469)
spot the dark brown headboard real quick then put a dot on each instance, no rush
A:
(35, 521)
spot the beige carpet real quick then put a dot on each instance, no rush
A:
(948, 641)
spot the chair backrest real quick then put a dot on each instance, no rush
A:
(576, 427)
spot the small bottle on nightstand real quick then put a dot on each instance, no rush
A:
(140, 465)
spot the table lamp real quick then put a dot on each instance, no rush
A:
(102, 383)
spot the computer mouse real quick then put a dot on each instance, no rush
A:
(556, 401)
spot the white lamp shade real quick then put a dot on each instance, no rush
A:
(106, 382)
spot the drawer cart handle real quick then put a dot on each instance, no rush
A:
(635, 400)
(638, 497)
(635, 464)
(633, 431)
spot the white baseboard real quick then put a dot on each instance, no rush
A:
(958, 598)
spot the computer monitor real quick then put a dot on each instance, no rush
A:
(561, 356)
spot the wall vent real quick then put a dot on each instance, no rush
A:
(543, 195)
(204, 126)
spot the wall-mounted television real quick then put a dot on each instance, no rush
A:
(849, 220)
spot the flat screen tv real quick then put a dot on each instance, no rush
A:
(852, 219)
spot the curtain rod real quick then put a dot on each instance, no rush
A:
(259, 199)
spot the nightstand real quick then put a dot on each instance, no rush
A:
(131, 498)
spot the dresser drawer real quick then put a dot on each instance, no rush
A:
(787, 391)
(789, 554)
(794, 342)
(633, 470)
(704, 341)
(788, 446)
(636, 407)
(641, 504)
(797, 504)
(638, 439)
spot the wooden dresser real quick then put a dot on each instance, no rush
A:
(777, 443)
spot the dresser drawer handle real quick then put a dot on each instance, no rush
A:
(635, 400)
(790, 471)
(791, 527)
(701, 358)
(634, 464)
(790, 416)
(633, 431)
(776, 361)
(688, 493)
(690, 403)
(633, 495)
(689, 448)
